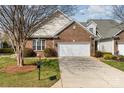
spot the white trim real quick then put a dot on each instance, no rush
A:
(41, 44)
(99, 34)
(84, 28)
(53, 44)
(91, 23)
(113, 51)
(44, 43)
(118, 32)
(64, 14)
(96, 27)
(73, 43)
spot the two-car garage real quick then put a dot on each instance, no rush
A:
(73, 49)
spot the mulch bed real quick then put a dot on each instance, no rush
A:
(13, 69)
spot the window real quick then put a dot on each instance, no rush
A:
(38, 44)
(91, 29)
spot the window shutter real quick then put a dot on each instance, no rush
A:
(43, 44)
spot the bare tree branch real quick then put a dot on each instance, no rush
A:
(19, 22)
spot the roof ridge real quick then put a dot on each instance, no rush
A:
(101, 19)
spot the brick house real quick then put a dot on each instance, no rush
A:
(110, 35)
(66, 36)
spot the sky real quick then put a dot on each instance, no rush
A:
(85, 12)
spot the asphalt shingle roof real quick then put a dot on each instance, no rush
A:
(107, 27)
(54, 25)
(84, 23)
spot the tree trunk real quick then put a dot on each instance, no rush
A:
(20, 56)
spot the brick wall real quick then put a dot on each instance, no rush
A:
(118, 40)
(29, 44)
(73, 33)
(121, 37)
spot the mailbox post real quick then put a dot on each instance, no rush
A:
(38, 66)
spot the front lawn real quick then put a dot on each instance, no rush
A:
(118, 65)
(116, 61)
(49, 68)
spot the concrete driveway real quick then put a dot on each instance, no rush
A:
(89, 72)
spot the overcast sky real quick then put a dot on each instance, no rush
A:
(93, 12)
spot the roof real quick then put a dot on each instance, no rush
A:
(55, 25)
(107, 27)
(84, 23)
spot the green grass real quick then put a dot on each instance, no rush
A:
(118, 65)
(29, 79)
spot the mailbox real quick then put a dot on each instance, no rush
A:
(38, 66)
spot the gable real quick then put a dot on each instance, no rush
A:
(75, 32)
(56, 23)
(121, 36)
(92, 25)
(107, 28)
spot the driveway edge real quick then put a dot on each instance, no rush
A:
(58, 84)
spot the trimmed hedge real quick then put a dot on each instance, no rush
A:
(29, 52)
(108, 56)
(49, 52)
(6, 50)
(101, 54)
(107, 53)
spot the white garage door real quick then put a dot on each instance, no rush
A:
(74, 49)
(121, 49)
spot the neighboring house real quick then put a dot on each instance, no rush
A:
(110, 35)
(66, 36)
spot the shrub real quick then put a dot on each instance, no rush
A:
(50, 63)
(5, 45)
(99, 54)
(114, 57)
(49, 52)
(121, 58)
(108, 56)
(6, 50)
(106, 53)
(29, 52)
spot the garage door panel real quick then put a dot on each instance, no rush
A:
(74, 49)
(121, 49)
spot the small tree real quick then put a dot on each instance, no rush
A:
(19, 22)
